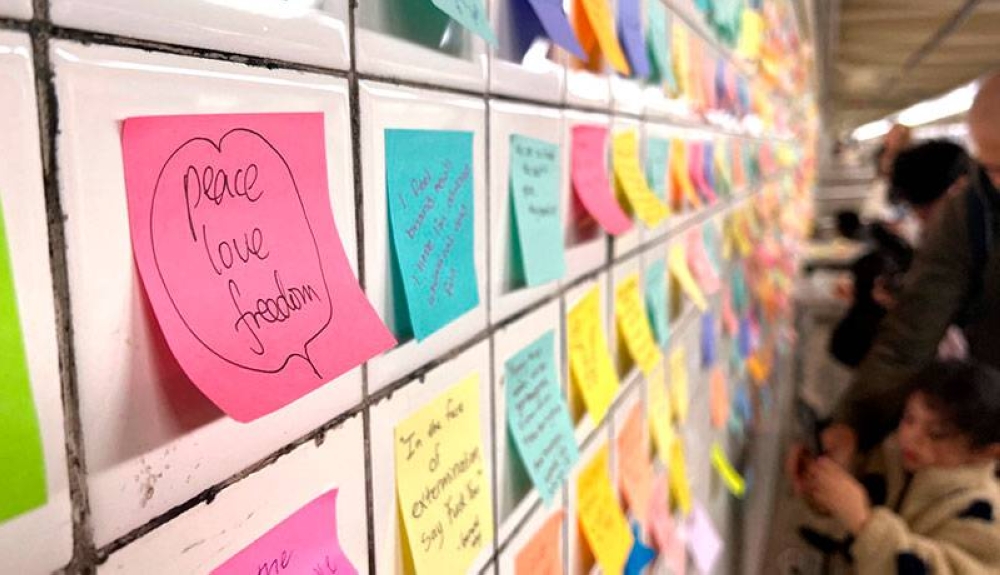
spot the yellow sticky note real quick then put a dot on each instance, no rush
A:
(730, 477)
(680, 174)
(635, 470)
(599, 23)
(679, 394)
(633, 325)
(680, 47)
(441, 481)
(677, 262)
(601, 518)
(591, 368)
(751, 34)
(632, 181)
(660, 415)
(680, 486)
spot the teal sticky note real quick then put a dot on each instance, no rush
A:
(22, 460)
(656, 300)
(471, 14)
(538, 417)
(534, 189)
(429, 193)
(657, 156)
(658, 40)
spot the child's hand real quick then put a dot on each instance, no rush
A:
(835, 489)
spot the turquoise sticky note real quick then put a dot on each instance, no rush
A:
(658, 40)
(471, 14)
(656, 300)
(657, 156)
(537, 416)
(534, 189)
(429, 193)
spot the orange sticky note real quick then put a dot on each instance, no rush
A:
(680, 175)
(543, 554)
(718, 398)
(603, 523)
(634, 469)
(592, 19)
(591, 368)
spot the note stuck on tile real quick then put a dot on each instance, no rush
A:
(429, 186)
(602, 521)
(305, 542)
(657, 158)
(680, 484)
(656, 300)
(667, 534)
(632, 37)
(534, 187)
(553, 19)
(679, 392)
(590, 179)
(591, 368)
(240, 257)
(660, 415)
(677, 261)
(594, 25)
(471, 14)
(635, 471)
(718, 398)
(439, 449)
(22, 460)
(537, 416)
(632, 181)
(543, 554)
(703, 540)
(633, 325)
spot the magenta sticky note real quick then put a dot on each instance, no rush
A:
(234, 238)
(304, 543)
(590, 179)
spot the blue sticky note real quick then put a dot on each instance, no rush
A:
(640, 556)
(708, 340)
(656, 300)
(557, 26)
(657, 156)
(471, 14)
(632, 37)
(534, 189)
(429, 193)
(537, 416)
(743, 404)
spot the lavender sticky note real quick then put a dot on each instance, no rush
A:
(630, 32)
(557, 28)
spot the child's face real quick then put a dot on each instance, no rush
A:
(927, 440)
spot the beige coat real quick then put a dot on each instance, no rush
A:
(940, 521)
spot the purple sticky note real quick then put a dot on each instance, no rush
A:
(630, 32)
(557, 28)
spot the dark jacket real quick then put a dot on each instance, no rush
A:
(938, 291)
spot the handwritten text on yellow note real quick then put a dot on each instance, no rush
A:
(633, 325)
(442, 482)
(601, 519)
(591, 368)
(632, 181)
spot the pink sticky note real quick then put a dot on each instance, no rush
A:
(697, 259)
(703, 540)
(591, 182)
(237, 248)
(304, 543)
(667, 535)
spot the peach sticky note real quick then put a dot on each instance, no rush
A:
(634, 468)
(597, 22)
(667, 534)
(678, 263)
(679, 393)
(632, 180)
(633, 325)
(591, 368)
(601, 518)
(660, 414)
(590, 179)
(718, 398)
(237, 249)
(442, 482)
(543, 554)
(680, 485)
(730, 477)
(305, 542)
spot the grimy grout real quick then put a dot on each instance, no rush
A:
(86, 556)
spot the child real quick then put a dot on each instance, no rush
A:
(936, 509)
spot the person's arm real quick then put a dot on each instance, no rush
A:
(933, 293)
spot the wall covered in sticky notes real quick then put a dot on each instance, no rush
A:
(394, 286)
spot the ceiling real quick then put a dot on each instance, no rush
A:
(876, 57)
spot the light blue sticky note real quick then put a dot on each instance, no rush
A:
(429, 191)
(538, 417)
(656, 300)
(471, 14)
(657, 156)
(534, 188)
(658, 38)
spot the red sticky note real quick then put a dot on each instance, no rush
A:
(240, 257)
(590, 179)
(306, 542)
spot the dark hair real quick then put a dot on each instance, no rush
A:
(966, 394)
(922, 174)
(848, 224)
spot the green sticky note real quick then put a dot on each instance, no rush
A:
(22, 463)
(429, 190)
(657, 156)
(656, 300)
(534, 189)
(471, 14)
